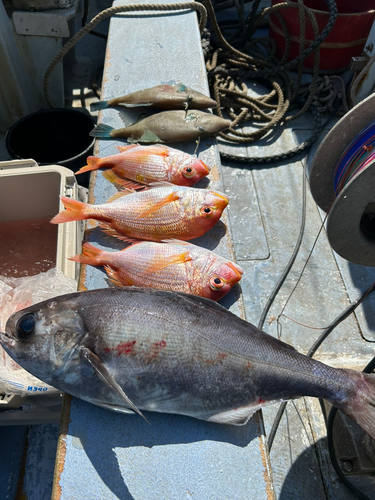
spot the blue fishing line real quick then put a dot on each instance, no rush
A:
(356, 157)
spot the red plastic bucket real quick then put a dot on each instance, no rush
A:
(346, 40)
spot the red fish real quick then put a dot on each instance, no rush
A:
(164, 212)
(141, 165)
(176, 266)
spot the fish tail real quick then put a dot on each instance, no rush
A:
(93, 163)
(96, 106)
(75, 210)
(361, 405)
(90, 255)
(102, 131)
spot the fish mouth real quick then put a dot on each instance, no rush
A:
(236, 269)
(7, 341)
(222, 196)
(208, 169)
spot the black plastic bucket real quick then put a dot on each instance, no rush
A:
(58, 136)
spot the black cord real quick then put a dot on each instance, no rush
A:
(341, 317)
(288, 267)
(86, 5)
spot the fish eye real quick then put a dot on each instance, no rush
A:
(188, 172)
(26, 325)
(206, 211)
(216, 283)
(200, 128)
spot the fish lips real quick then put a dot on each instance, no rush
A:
(7, 342)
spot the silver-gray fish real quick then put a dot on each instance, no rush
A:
(173, 353)
(162, 96)
(167, 126)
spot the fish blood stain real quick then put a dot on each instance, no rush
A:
(126, 348)
(221, 356)
(156, 349)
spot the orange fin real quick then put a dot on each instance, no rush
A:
(93, 163)
(173, 241)
(120, 194)
(107, 229)
(163, 263)
(122, 149)
(121, 183)
(156, 149)
(90, 255)
(161, 203)
(113, 276)
(75, 210)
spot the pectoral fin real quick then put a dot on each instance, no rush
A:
(161, 203)
(121, 183)
(149, 137)
(116, 408)
(173, 259)
(96, 363)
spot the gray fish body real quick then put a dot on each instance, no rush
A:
(175, 353)
(175, 126)
(166, 97)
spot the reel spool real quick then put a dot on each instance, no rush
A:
(345, 188)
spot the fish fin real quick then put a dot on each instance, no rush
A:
(237, 416)
(95, 106)
(153, 149)
(140, 118)
(122, 149)
(107, 229)
(102, 131)
(113, 276)
(149, 137)
(75, 210)
(90, 255)
(178, 242)
(170, 198)
(120, 194)
(180, 87)
(112, 407)
(360, 406)
(97, 364)
(160, 184)
(135, 105)
(93, 163)
(173, 259)
(119, 182)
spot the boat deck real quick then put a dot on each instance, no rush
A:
(106, 456)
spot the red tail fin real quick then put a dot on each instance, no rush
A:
(90, 255)
(93, 163)
(361, 406)
(75, 210)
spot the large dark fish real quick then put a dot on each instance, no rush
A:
(147, 349)
(168, 126)
(162, 96)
